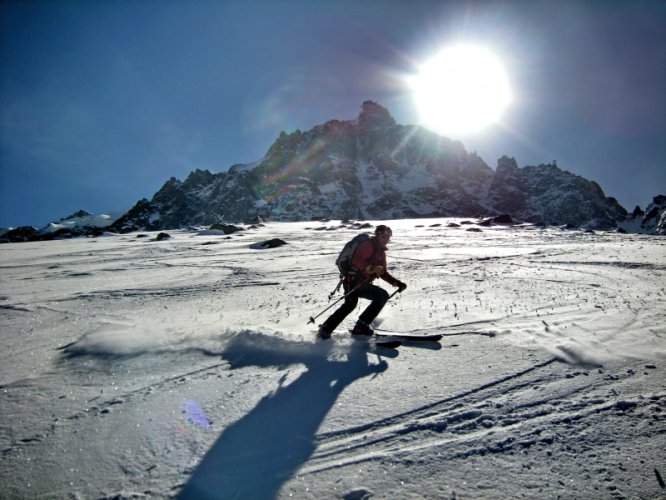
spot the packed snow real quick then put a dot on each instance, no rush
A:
(186, 367)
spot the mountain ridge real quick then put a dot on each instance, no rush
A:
(370, 167)
(373, 168)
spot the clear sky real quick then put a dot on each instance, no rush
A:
(101, 102)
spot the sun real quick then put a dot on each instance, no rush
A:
(461, 90)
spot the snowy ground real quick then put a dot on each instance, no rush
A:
(137, 368)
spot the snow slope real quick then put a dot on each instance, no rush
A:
(135, 368)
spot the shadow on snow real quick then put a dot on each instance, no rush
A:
(256, 455)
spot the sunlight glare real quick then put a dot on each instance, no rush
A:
(461, 90)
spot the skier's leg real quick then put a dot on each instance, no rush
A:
(378, 296)
(340, 314)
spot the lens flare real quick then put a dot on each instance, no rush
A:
(194, 414)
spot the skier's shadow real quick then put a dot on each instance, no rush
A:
(254, 456)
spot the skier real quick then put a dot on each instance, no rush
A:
(368, 263)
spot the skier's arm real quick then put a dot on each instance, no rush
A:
(389, 279)
(386, 276)
(393, 281)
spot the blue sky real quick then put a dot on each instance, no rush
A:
(101, 102)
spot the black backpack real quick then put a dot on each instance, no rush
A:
(344, 260)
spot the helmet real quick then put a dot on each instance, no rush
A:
(382, 229)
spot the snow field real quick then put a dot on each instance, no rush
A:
(134, 368)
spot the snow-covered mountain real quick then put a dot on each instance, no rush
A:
(80, 223)
(82, 220)
(371, 167)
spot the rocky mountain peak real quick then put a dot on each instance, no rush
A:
(286, 142)
(199, 178)
(374, 116)
(77, 214)
(506, 164)
(373, 168)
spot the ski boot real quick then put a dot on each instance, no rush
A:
(362, 328)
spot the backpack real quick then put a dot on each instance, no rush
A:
(344, 260)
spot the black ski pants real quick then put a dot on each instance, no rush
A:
(378, 297)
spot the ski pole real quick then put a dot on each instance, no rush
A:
(313, 318)
(330, 295)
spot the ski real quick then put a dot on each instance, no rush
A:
(415, 337)
(375, 341)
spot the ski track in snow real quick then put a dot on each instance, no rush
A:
(468, 423)
(550, 379)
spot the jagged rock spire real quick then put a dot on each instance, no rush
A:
(374, 116)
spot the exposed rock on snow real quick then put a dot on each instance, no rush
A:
(263, 245)
(163, 237)
(226, 228)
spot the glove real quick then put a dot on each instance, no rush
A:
(401, 286)
(378, 270)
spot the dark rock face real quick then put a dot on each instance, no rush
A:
(508, 191)
(551, 196)
(654, 219)
(20, 234)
